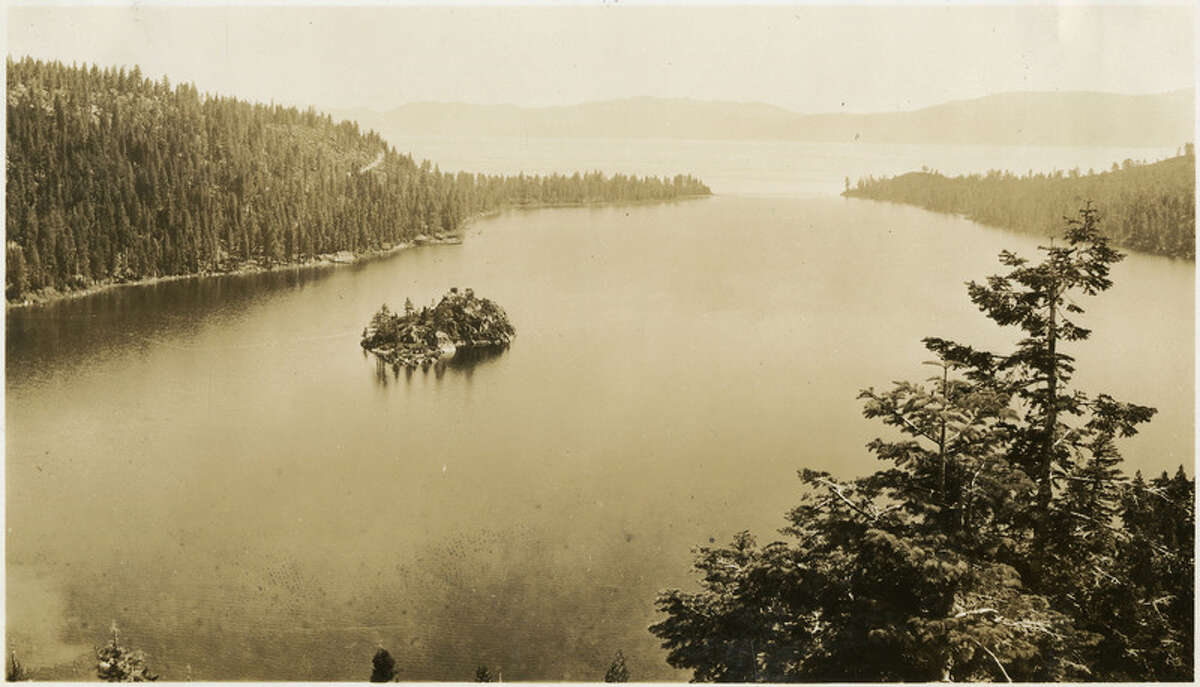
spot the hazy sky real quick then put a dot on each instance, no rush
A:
(805, 57)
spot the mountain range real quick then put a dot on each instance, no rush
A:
(1030, 118)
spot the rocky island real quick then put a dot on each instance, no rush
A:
(460, 320)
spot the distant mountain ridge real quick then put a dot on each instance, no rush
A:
(1029, 118)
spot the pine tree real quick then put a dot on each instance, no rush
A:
(617, 671)
(989, 547)
(116, 663)
(866, 593)
(1038, 300)
(17, 273)
(1145, 604)
(15, 672)
(383, 667)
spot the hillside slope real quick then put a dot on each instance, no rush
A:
(113, 177)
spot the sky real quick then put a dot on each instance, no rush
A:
(808, 58)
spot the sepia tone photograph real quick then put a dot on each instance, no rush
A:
(602, 341)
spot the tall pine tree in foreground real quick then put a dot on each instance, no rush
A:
(999, 542)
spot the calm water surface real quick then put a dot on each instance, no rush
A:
(216, 465)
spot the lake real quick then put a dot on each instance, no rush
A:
(217, 467)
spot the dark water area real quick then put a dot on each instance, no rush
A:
(218, 467)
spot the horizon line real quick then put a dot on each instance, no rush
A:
(719, 101)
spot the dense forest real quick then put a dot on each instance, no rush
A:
(1147, 207)
(115, 177)
(999, 540)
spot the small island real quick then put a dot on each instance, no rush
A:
(419, 337)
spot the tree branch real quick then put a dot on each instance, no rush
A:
(895, 413)
(976, 611)
(838, 491)
(994, 658)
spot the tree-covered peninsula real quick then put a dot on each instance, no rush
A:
(114, 177)
(460, 320)
(1147, 207)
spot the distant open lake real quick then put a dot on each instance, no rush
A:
(216, 465)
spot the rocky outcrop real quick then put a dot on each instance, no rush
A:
(460, 320)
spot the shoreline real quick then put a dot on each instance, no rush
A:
(322, 260)
(967, 216)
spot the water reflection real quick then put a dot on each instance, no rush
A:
(78, 331)
(463, 363)
(468, 359)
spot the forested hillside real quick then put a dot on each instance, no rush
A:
(1147, 207)
(114, 177)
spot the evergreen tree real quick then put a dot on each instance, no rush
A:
(116, 663)
(16, 270)
(383, 667)
(1144, 604)
(617, 671)
(15, 672)
(1000, 540)
(1037, 299)
(482, 674)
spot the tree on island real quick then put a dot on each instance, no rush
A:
(116, 663)
(999, 542)
(383, 666)
(617, 671)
